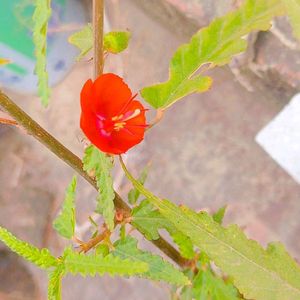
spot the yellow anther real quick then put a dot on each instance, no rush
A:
(116, 118)
(118, 126)
(133, 115)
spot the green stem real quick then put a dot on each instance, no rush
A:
(40, 134)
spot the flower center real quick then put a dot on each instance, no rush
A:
(120, 121)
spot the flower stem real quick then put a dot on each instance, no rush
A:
(98, 12)
(40, 134)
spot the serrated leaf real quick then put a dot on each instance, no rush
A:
(214, 45)
(116, 41)
(183, 242)
(218, 216)
(54, 284)
(40, 19)
(102, 249)
(293, 11)
(100, 164)
(134, 194)
(40, 257)
(159, 269)
(208, 286)
(64, 224)
(4, 61)
(92, 264)
(149, 220)
(258, 273)
(113, 42)
(83, 40)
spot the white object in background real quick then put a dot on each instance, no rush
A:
(281, 138)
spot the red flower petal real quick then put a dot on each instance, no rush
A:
(110, 118)
(111, 93)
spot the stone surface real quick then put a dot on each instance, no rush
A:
(203, 152)
(277, 58)
(16, 283)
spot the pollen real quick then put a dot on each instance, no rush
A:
(133, 115)
(117, 118)
(119, 125)
(120, 121)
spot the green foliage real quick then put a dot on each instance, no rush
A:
(149, 220)
(134, 194)
(93, 264)
(102, 249)
(114, 42)
(159, 269)
(54, 284)
(183, 242)
(293, 11)
(83, 40)
(219, 215)
(277, 276)
(206, 285)
(64, 224)
(40, 19)
(214, 45)
(99, 164)
(40, 257)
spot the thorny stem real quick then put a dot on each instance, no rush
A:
(40, 134)
(98, 12)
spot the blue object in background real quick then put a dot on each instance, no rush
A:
(17, 46)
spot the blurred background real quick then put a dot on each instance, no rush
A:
(203, 153)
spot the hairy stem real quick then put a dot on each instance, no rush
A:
(98, 9)
(85, 247)
(40, 134)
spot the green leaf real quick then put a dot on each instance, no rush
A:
(64, 224)
(102, 249)
(258, 273)
(149, 220)
(40, 19)
(54, 284)
(183, 242)
(208, 286)
(83, 40)
(114, 42)
(159, 269)
(40, 257)
(92, 264)
(213, 45)
(219, 215)
(100, 164)
(134, 194)
(293, 11)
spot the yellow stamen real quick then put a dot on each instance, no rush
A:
(133, 115)
(118, 126)
(116, 118)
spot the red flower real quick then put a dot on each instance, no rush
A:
(110, 117)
